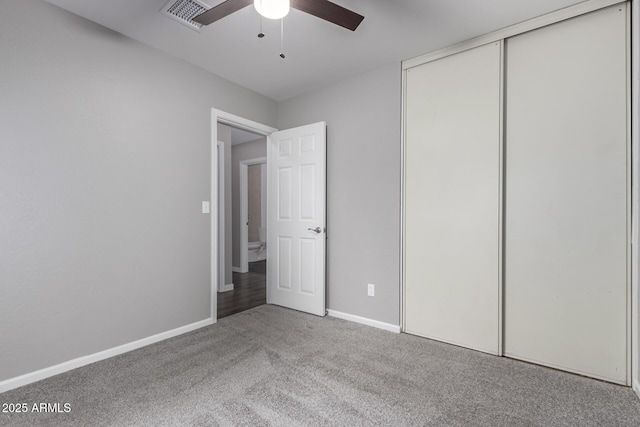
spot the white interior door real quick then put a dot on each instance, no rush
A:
(296, 239)
(567, 195)
(452, 199)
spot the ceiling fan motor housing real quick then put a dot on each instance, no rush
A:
(272, 9)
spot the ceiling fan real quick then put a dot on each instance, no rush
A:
(276, 9)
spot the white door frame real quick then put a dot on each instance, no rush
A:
(218, 116)
(244, 209)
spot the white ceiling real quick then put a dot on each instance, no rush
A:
(240, 136)
(317, 52)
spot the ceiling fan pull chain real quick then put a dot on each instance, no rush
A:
(260, 34)
(282, 38)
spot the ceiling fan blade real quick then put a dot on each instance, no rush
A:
(328, 11)
(220, 11)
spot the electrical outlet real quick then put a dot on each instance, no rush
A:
(206, 207)
(371, 290)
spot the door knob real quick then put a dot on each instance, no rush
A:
(317, 229)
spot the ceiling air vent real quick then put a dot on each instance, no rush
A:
(184, 11)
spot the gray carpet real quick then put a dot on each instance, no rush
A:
(273, 366)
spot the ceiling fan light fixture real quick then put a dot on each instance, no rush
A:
(272, 9)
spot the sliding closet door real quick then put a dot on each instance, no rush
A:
(452, 170)
(567, 192)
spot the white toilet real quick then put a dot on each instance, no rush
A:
(258, 250)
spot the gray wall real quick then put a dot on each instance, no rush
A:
(224, 135)
(246, 151)
(363, 188)
(104, 162)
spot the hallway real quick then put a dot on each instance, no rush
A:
(250, 290)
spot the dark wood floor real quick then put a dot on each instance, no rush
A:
(249, 290)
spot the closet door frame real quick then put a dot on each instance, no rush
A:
(633, 292)
(634, 134)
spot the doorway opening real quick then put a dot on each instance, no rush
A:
(240, 183)
(296, 214)
(252, 197)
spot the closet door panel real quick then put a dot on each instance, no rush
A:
(566, 196)
(452, 171)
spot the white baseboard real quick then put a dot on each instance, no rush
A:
(227, 287)
(363, 320)
(41, 374)
(237, 270)
(636, 388)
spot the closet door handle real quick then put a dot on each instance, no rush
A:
(317, 229)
